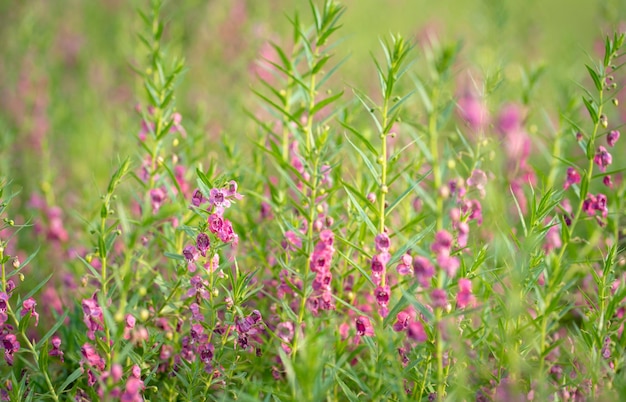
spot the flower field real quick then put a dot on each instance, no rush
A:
(312, 201)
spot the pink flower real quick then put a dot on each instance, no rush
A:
(11, 345)
(463, 236)
(363, 326)
(157, 197)
(473, 111)
(191, 254)
(442, 243)
(478, 179)
(439, 298)
(130, 324)
(55, 341)
(464, 297)
(28, 306)
(197, 198)
(612, 137)
(215, 223)
(405, 267)
(573, 177)
(231, 190)
(379, 265)
(448, 264)
(92, 316)
(382, 242)
(602, 158)
(91, 357)
(203, 243)
(416, 332)
(198, 288)
(382, 295)
(510, 118)
(424, 270)
(293, 241)
(402, 321)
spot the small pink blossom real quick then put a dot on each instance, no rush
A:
(465, 297)
(382, 242)
(91, 357)
(364, 326)
(478, 179)
(405, 267)
(423, 269)
(573, 177)
(416, 332)
(28, 306)
(612, 137)
(443, 243)
(602, 158)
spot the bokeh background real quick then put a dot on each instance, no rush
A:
(68, 91)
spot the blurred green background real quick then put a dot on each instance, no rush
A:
(67, 92)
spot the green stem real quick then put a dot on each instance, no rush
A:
(441, 383)
(313, 155)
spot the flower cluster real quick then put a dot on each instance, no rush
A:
(320, 264)
(8, 340)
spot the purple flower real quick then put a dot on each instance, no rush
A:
(322, 281)
(478, 179)
(363, 326)
(56, 347)
(596, 203)
(157, 197)
(602, 158)
(217, 197)
(405, 267)
(439, 298)
(573, 177)
(226, 234)
(612, 137)
(382, 295)
(198, 288)
(284, 331)
(424, 270)
(206, 353)
(382, 242)
(191, 254)
(196, 315)
(320, 260)
(4, 298)
(130, 324)
(197, 198)
(442, 243)
(464, 297)
(416, 332)
(203, 243)
(402, 321)
(11, 345)
(473, 111)
(134, 386)
(215, 223)
(28, 306)
(327, 237)
(231, 190)
(510, 118)
(92, 316)
(293, 241)
(378, 265)
(448, 264)
(91, 357)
